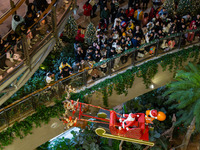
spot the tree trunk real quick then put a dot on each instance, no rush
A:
(190, 130)
(120, 145)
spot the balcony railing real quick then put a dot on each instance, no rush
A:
(28, 104)
(20, 54)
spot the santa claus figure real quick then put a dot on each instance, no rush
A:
(153, 114)
(128, 121)
(150, 116)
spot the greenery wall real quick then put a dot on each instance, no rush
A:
(89, 140)
(119, 83)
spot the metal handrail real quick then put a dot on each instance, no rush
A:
(11, 11)
(95, 65)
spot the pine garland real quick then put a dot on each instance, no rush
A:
(120, 83)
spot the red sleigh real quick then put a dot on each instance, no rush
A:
(138, 133)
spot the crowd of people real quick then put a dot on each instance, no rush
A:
(118, 30)
(121, 29)
(21, 25)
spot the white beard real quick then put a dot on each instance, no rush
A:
(130, 118)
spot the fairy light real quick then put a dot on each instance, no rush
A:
(169, 5)
(90, 34)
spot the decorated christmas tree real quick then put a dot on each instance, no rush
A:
(71, 28)
(90, 34)
(184, 7)
(195, 7)
(169, 5)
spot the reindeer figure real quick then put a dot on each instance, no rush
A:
(70, 109)
(68, 90)
(69, 121)
(71, 106)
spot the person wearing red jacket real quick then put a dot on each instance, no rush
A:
(191, 34)
(87, 10)
(130, 12)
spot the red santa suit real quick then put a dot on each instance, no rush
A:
(128, 121)
(150, 116)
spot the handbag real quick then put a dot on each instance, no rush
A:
(152, 50)
(140, 55)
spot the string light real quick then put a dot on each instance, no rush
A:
(90, 34)
(188, 7)
(169, 5)
(71, 27)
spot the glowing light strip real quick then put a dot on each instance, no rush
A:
(102, 132)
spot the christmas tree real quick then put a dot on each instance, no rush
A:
(184, 7)
(169, 5)
(195, 7)
(71, 28)
(90, 34)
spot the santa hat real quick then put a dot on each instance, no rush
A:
(132, 115)
(193, 22)
(154, 113)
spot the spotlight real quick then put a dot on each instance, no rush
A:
(152, 86)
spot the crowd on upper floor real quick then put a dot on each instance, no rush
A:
(21, 25)
(121, 29)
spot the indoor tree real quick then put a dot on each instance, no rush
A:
(195, 6)
(184, 7)
(90, 34)
(71, 28)
(184, 95)
(169, 5)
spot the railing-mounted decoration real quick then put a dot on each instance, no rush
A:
(43, 114)
(133, 127)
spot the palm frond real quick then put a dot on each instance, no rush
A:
(184, 94)
(192, 68)
(185, 118)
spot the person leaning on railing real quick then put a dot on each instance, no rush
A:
(12, 40)
(32, 8)
(50, 78)
(30, 18)
(66, 71)
(41, 4)
(16, 20)
(3, 65)
(43, 27)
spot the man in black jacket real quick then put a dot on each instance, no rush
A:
(66, 71)
(41, 4)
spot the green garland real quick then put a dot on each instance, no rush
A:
(120, 83)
